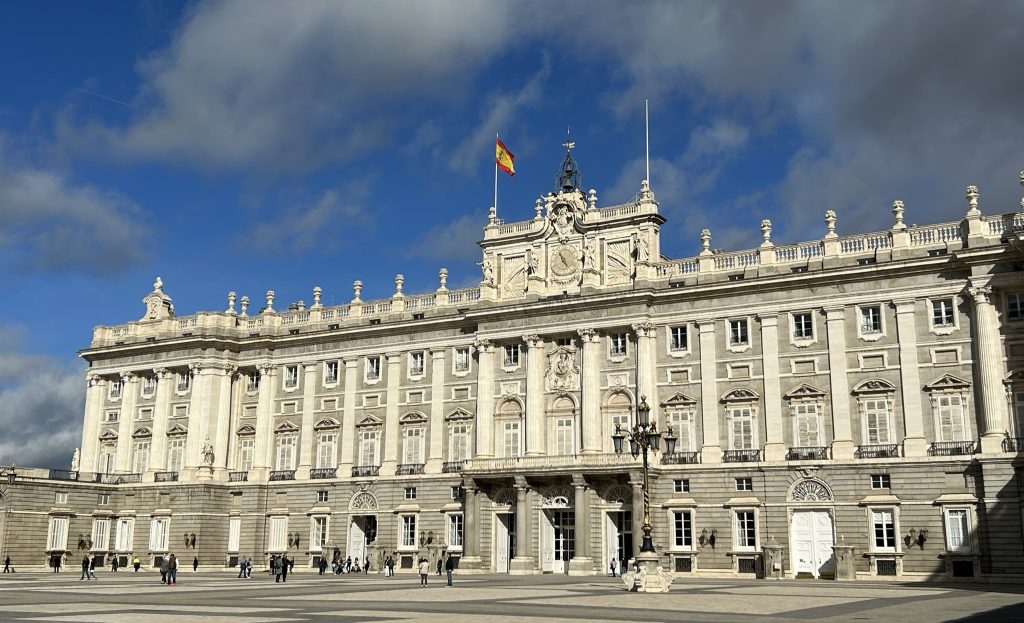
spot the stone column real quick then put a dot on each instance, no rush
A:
(199, 415)
(161, 413)
(593, 424)
(775, 446)
(636, 483)
(914, 442)
(522, 563)
(262, 459)
(307, 435)
(581, 563)
(471, 538)
(221, 425)
(129, 394)
(96, 388)
(646, 367)
(348, 418)
(484, 399)
(988, 357)
(391, 425)
(711, 451)
(435, 449)
(842, 437)
(534, 395)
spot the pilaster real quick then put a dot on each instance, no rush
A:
(307, 435)
(593, 425)
(221, 426)
(842, 436)
(391, 432)
(96, 388)
(435, 457)
(534, 395)
(199, 416)
(914, 442)
(485, 399)
(471, 539)
(522, 563)
(711, 451)
(581, 563)
(991, 369)
(775, 446)
(129, 395)
(646, 367)
(161, 412)
(348, 418)
(264, 423)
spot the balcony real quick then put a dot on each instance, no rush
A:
(1013, 444)
(807, 453)
(132, 478)
(452, 467)
(108, 479)
(408, 469)
(365, 470)
(751, 455)
(165, 476)
(282, 474)
(322, 473)
(238, 476)
(680, 458)
(885, 451)
(951, 448)
(62, 474)
(549, 463)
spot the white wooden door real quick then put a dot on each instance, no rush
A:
(357, 540)
(811, 539)
(824, 539)
(501, 543)
(611, 542)
(547, 542)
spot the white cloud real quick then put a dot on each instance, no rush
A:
(302, 227)
(453, 242)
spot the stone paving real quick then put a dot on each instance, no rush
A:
(217, 597)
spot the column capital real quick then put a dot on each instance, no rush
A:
(350, 362)
(196, 368)
(533, 341)
(92, 379)
(644, 329)
(521, 482)
(266, 368)
(393, 358)
(483, 346)
(768, 320)
(588, 336)
(579, 481)
(981, 294)
(835, 314)
(128, 377)
(163, 373)
(904, 306)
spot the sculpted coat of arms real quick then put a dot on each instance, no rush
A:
(563, 374)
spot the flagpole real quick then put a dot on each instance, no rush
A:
(647, 145)
(496, 138)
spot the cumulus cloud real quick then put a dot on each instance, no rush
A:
(454, 241)
(51, 224)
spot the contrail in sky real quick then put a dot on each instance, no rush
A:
(93, 93)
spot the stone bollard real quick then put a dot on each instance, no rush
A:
(772, 559)
(846, 570)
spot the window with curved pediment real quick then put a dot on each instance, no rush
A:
(679, 413)
(806, 406)
(618, 409)
(948, 396)
(563, 414)
(875, 403)
(741, 415)
(508, 427)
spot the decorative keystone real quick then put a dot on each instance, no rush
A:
(830, 224)
(972, 201)
(442, 276)
(317, 293)
(897, 211)
(231, 304)
(357, 288)
(766, 233)
(245, 306)
(269, 309)
(592, 199)
(399, 282)
(705, 241)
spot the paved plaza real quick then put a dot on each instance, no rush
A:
(221, 598)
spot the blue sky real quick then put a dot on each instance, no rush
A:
(258, 145)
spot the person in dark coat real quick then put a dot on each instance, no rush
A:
(195, 564)
(7, 565)
(284, 568)
(85, 569)
(440, 565)
(449, 567)
(113, 564)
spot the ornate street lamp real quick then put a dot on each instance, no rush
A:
(644, 437)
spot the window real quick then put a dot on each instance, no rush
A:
(289, 408)
(414, 397)
(140, 456)
(115, 389)
(124, 534)
(458, 442)
(60, 498)
(958, 530)
(322, 496)
(278, 534)
(184, 381)
(510, 439)
(373, 368)
(682, 522)
(744, 484)
(158, 533)
(410, 493)
(741, 428)
(112, 416)
(803, 326)
(252, 382)
(408, 531)
(234, 533)
(952, 423)
(876, 422)
(942, 313)
(563, 341)
(677, 338)
(746, 530)
(455, 530)
(617, 345)
(880, 481)
(145, 413)
(318, 536)
(511, 356)
(417, 363)
(738, 333)
(180, 410)
(103, 499)
(368, 447)
(246, 448)
(291, 376)
(57, 537)
(805, 425)
(412, 445)
(327, 450)
(175, 453)
(330, 372)
(884, 530)
(148, 386)
(458, 493)
(870, 320)
(462, 360)
(1015, 306)
(681, 486)
(285, 452)
(100, 535)
(564, 441)
(329, 404)
(106, 461)
(681, 424)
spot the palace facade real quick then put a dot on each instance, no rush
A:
(859, 397)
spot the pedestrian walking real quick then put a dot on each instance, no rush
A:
(449, 567)
(241, 567)
(113, 564)
(275, 569)
(440, 563)
(389, 567)
(164, 567)
(611, 568)
(284, 568)
(195, 564)
(366, 567)
(7, 564)
(136, 563)
(85, 569)
(424, 569)
(92, 568)
(172, 570)
(55, 562)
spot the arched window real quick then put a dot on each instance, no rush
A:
(618, 409)
(509, 428)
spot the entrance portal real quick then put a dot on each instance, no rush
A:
(504, 540)
(362, 532)
(558, 544)
(811, 537)
(618, 538)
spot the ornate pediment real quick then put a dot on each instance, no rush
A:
(369, 420)
(459, 414)
(286, 427)
(874, 386)
(327, 422)
(246, 429)
(740, 394)
(947, 382)
(158, 304)
(680, 400)
(177, 429)
(804, 391)
(108, 435)
(142, 432)
(413, 418)
(562, 374)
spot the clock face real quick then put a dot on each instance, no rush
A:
(564, 260)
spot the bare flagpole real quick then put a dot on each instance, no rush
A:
(647, 145)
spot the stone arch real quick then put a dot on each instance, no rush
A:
(509, 407)
(557, 496)
(564, 403)
(505, 497)
(363, 501)
(809, 490)
(620, 494)
(618, 398)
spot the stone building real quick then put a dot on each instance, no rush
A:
(854, 394)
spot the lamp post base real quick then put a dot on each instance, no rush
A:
(650, 578)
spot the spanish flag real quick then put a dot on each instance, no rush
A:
(504, 158)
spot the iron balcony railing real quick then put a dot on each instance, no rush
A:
(951, 448)
(752, 455)
(132, 478)
(365, 470)
(1013, 444)
(238, 476)
(62, 474)
(165, 476)
(282, 474)
(452, 467)
(807, 453)
(321, 473)
(882, 451)
(406, 469)
(679, 458)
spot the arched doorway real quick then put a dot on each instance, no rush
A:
(811, 530)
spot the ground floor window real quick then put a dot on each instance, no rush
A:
(682, 524)
(883, 527)
(57, 539)
(746, 530)
(958, 530)
(408, 531)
